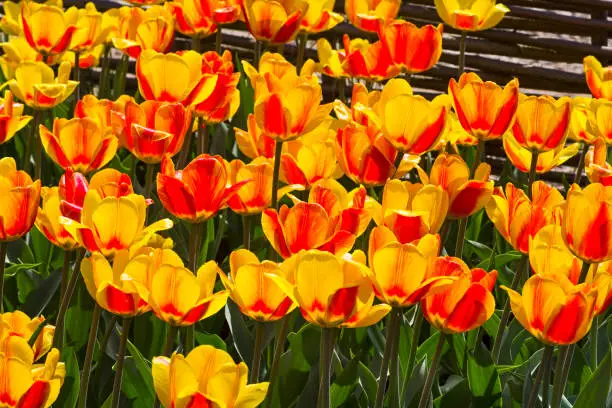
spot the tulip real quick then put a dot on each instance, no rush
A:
(35, 84)
(597, 168)
(90, 30)
(100, 110)
(19, 324)
(194, 18)
(173, 77)
(226, 11)
(471, 16)
(16, 51)
(251, 287)
(456, 135)
(141, 30)
(549, 256)
(320, 17)
(87, 59)
(19, 204)
(71, 191)
(465, 304)
(197, 192)
(12, 119)
(48, 29)
(79, 144)
(553, 310)
(521, 157)
(180, 298)
(599, 117)
(598, 78)
(253, 142)
(145, 2)
(110, 224)
(48, 220)
(601, 278)
(370, 15)
(579, 130)
(275, 22)
(466, 197)
(517, 218)
(412, 49)
(484, 109)
(154, 129)
(330, 220)
(541, 122)
(587, 226)
(11, 20)
(199, 380)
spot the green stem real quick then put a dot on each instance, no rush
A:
(392, 334)
(580, 166)
(170, 338)
(256, 53)
(203, 137)
(105, 337)
(462, 46)
(195, 43)
(506, 313)
(120, 73)
(342, 89)
(480, 148)
(246, 232)
(218, 38)
(257, 351)
(77, 77)
(195, 244)
(275, 175)
(3, 247)
(431, 374)
(325, 353)
(184, 155)
(278, 351)
(546, 379)
(532, 173)
(394, 374)
(125, 330)
(594, 340)
(398, 162)
(149, 180)
(58, 337)
(102, 85)
(461, 237)
(544, 366)
(561, 356)
(91, 345)
(65, 274)
(414, 344)
(561, 377)
(301, 40)
(584, 272)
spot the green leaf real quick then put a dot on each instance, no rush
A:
(483, 379)
(415, 385)
(344, 384)
(12, 270)
(149, 335)
(26, 283)
(69, 393)
(78, 318)
(595, 392)
(137, 373)
(39, 298)
(455, 393)
(368, 382)
(482, 251)
(241, 336)
(210, 339)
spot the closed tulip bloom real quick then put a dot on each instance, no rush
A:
(35, 84)
(48, 29)
(226, 11)
(173, 77)
(154, 129)
(587, 222)
(180, 298)
(541, 122)
(554, 310)
(412, 49)
(250, 286)
(16, 51)
(549, 256)
(471, 16)
(79, 144)
(484, 109)
(599, 117)
(320, 17)
(333, 291)
(90, 30)
(71, 191)
(465, 304)
(12, 119)
(330, 220)
(254, 142)
(20, 324)
(411, 211)
(151, 29)
(598, 78)
(452, 174)
(193, 18)
(19, 204)
(369, 15)
(275, 22)
(596, 165)
(579, 129)
(48, 220)
(203, 378)
(521, 157)
(517, 218)
(110, 224)
(197, 192)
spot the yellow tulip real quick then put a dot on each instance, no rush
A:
(470, 15)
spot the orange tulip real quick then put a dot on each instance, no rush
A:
(452, 174)
(465, 304)
(549, 256)
(521, 157)
(154, 129)
(412, 49)
(369, 15)
(320, 17)
(19, 324)
(194, 18)
(554, 310)
(206, 377)
(48, 29)
(250, 286)
(599, 117)
(331, 220)
(110, 224)
(253, 142)
(272, 21)
(48, 220)
(541, 122)
(471, 16)
(517, 218)
(598, 78)
(19, 204)
(587, 222)
(409, 211)
(484, 109)
(139, 30)
(180, 298)
(12, 119)
(79, 144)
(596, 165)
(333, 291)
(579, 129)
(197, 192)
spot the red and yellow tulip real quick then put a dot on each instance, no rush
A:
(254, 142)
(16, 51)
(274, 21)
(598, 78)
(521, 157)
(471, 16)
(320, 16)
(599, 117)
(20, 324)
(412, 49)
(36, 85)
(370, 15)
(139, 30)
(48, 220)
(549, 256)
(193, 18)
(91, 32)
(596, 165)
(579, 130)
(12, 119)
(601, 278)
(48, 29)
